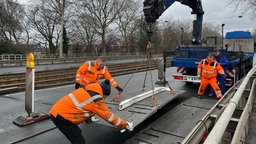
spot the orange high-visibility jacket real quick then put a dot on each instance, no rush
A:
(79, 106)
(209, 69)
(89, 73)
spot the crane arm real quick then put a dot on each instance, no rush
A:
(153, 9)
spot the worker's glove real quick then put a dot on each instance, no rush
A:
(199, 76)
(129, 126)
(93, 119)
(119, 89)
(77, 86)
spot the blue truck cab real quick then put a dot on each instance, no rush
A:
(239, 50)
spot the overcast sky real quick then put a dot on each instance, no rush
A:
(217, 12)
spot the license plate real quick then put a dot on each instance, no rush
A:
(185, 78)
(195, 78)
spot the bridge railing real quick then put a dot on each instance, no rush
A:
(219, 128)
(227, 121)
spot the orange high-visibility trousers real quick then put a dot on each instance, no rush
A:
(213, 83)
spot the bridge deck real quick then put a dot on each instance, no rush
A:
(140, 111)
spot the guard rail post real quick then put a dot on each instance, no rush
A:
(32, 117)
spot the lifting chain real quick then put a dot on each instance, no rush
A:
(149, 56)
(149, 60)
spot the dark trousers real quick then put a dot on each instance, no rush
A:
(70, 130)
(221, 82)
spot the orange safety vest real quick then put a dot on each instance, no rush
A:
(79, 105)
(209, 69)
(90, 73)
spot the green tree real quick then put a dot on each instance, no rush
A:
(65, 42)
(6, 47)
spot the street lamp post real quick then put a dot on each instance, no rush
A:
(181, 36)
(222, 40)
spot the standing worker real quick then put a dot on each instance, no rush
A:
(80, 106)
(208, 69)
(92, 71)
(223, 61)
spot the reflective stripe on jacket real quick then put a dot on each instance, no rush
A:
(209, 69)
(89, 73)
(79, 105)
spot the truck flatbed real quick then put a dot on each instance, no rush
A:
(143, 109)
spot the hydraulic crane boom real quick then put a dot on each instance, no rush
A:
(153, 9)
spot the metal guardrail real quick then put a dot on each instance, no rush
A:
(243, 124)
(7, 63)
(12, 57)
(22, 62)
(219, 128)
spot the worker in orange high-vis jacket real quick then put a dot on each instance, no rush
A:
(92, 71)
(80, 106)
(207, 69)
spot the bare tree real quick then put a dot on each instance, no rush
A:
(101, 14)
(45, 20)
(60, 6)
(245, 5)
(210, 30)
(172, 31)
(11, 13)
(26, 28)
(82, 34)
(140, 35)
(127, 22)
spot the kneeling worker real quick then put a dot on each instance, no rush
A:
(81, 105)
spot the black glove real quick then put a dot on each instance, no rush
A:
(119, 89)
(77, 85)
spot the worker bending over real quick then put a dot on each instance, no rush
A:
(80, 106)
(207, 69)
(92, 71)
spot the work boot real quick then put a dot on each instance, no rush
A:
(200, 96)
(219, 97)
